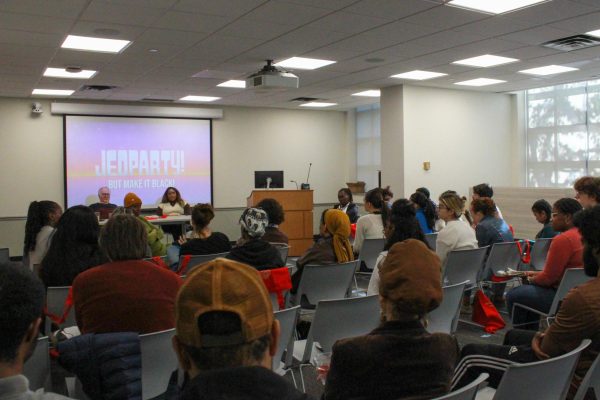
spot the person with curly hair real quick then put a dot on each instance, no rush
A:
(276, 216)
(587, 191)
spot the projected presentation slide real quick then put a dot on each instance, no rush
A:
(140, 155)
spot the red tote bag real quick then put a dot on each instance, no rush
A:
(486, 314)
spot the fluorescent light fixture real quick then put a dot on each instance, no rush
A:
(94, 44)
(199, 98)
(418, 75)
(368, 93)
(494, 6)
(318, 104)
(63, 73)
(303, 63)
(486, 60)
(479, 82)
(548, 70)
(233, 84)
(595, 33)
(52, 92)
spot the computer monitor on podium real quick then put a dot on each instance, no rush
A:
(268, 179)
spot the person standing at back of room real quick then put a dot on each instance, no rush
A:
(42, 217)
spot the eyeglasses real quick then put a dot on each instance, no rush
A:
(554, 214)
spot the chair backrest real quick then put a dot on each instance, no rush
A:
(199, 259)
(502, 256)
(443, 319)
(4, 255)
(431, 238)
(463, 265)
(571, 278)
(326, 282)
(466, 392)
(370, 250)
(55, 304)
(158, 362)
(287, 322)
(524, 381)
(338, 319)
(37, 367)
(283, 249)
(539, 252)
(590, 380)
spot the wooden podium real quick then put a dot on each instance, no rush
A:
(298, 208)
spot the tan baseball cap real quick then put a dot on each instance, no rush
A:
(228, 286)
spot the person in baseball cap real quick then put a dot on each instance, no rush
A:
(227, 335)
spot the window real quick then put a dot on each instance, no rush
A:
(563, 134)
(368, 145)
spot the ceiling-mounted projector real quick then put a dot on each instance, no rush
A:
(271, 77)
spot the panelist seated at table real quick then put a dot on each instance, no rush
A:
(155, 234)
(104, 206)
(172, 204)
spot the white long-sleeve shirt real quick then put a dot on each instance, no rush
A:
(368, 226)
(456, 235)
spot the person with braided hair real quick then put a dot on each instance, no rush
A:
(42, 217)
(566, 251)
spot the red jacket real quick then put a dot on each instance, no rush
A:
(566, 251)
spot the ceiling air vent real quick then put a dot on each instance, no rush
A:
(573, 43)
(157, 100)
(96, 88)
(305, 99)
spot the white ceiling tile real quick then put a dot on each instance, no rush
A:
(443, 17)
(493, 26)
(582, 24)
(390, 9)
(292, 14)
(35, 23)
(63, 8)
(31, 38)
(106, 30)
(121, 13)
(136, 4)
(536, 36)
(551, 11)
(191, 22)
(446, 40)
(153, 37)
(84, 59)
(251, 28)
(347, 22)
(227, 8)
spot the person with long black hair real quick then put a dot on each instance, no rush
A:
(74, 247)
(42, 217)
(371, 226)
(426, 214)
(402, 225)
(542, 211)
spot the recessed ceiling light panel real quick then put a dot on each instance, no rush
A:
(368, 93)
(101, 45)
(63, 73)
(199, 98)
(494, 6)
(52, 92)
(595, 33)
(318, 104)
(303, 63)
(418, 75)
(479, 82)
(233, 84)
(486, 60)
(548, 70)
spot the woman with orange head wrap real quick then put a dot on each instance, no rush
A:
(333, 247)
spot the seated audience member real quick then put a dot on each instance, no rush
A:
(104, 207)
(253, 250)
(587, 191)
(426, 214)
(456, 235)
(333, 246)
(42, 217)
(466, 214)
(578, 318)
(22, 299)
(276, 216)
(346, 205)
(172, 204)
(371, 226)
(403, 225)
(227, 335)
(485, 190)
(126, 294)
(490, 229)
(74, 247)
(439, 223)
(566, 251)
(542, 211)
(387, 196)
(399, 359)
(203, 240)
(154, 233)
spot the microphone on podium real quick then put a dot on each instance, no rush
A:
(296, 182)
(306, 186)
